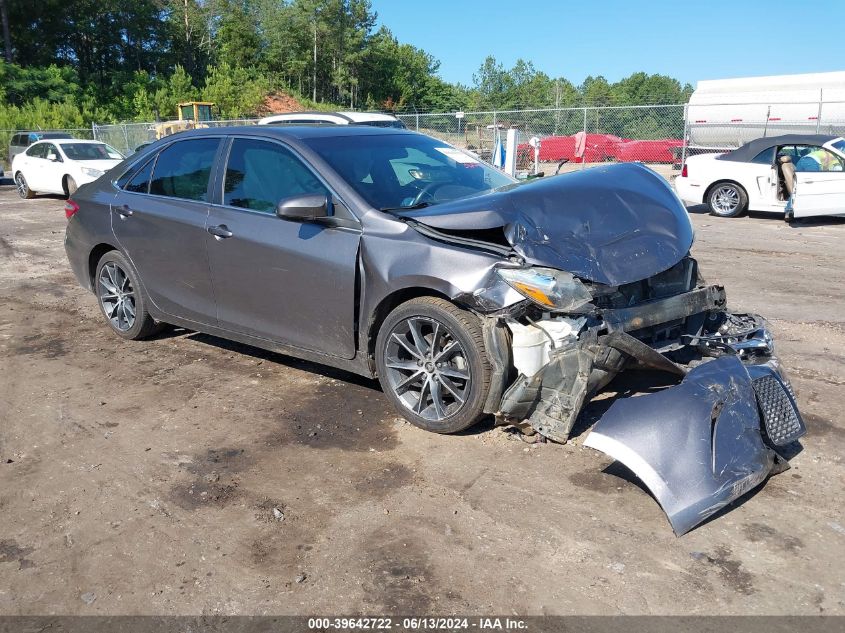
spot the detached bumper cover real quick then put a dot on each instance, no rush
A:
(702, 444)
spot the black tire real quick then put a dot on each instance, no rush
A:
(70, 186)
(727, 200)
(462, 334)
(142, 325)
(23, 187)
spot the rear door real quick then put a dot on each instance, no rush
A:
(159, 219)
(34, 159)
(291, 282)
(819, 183)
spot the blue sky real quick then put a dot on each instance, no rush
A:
(686, 39)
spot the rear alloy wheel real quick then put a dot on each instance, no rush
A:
(121, 298)
(23, 188)
(727, 200)
(432, 364)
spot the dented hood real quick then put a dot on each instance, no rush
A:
(611, 225)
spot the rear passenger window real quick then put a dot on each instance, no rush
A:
(140, 181)
(182, 169)
(37, 151)
(766, 157)
(260, 173)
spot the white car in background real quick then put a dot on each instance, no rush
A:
(373, 119)
(799, 175)
(61, 165)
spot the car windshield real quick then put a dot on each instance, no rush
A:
(840, 145)
(406, 170)
(90, 151)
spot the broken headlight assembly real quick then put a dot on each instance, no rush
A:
(551, 289)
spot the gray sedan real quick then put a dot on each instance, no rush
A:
(394, 255)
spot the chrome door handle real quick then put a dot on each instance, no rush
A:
(220, 232)
(125, 211)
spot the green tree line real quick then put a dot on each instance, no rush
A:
(68, 63)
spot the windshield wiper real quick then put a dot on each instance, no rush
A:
(418, 205)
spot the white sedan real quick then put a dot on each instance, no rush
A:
(799, 175)
(61, 165)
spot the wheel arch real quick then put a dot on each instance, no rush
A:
(386, 306)
(94, 258)
(722, 181)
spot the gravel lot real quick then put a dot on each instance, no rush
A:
(141, 478)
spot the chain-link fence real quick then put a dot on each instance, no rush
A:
(571, 138)
(127, 137)
(659, 135)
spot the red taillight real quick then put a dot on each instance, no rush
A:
(684, 173)
(70, 209)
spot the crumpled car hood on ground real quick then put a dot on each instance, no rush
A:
(575, 222)
(698, 446)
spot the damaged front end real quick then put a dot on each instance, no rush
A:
(630, 298)
(697, 445)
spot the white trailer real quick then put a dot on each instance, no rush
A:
(726, 113)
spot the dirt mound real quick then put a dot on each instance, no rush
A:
(280, 102)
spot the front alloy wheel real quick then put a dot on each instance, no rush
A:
(427, 368)
(432, 364)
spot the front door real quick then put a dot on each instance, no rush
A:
(290, 282)
(159, 220)
(819, 184)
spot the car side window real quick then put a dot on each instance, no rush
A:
(37, 151)
(766, 157)
(182, 169)
(260, 173)
(50, 151)
(140, 181)
(816, 158)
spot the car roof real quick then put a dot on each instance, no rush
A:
(751, 149)
(40, 136)
(294, 131)
(368, 116)
(67, 141)
(341, 118)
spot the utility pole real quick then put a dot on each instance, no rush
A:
(314, 84)
(7, 39)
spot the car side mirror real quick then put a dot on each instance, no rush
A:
(52, 157)
(303, 208)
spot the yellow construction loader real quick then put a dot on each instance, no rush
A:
(192, 115)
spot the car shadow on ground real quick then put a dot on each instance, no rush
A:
(820, 220)
(272, 357)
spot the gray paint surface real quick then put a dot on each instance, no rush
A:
(697, 446)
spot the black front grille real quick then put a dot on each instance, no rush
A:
(782, 422)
